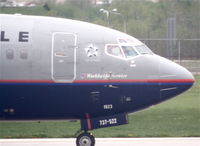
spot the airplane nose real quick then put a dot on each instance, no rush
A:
(174, 79)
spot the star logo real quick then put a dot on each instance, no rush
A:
(91, 51)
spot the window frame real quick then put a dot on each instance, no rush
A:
(10, 54)
(106, 51)
(138, 50)
(121, 49)
(129, 45)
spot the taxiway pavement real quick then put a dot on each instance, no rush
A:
(104, 142)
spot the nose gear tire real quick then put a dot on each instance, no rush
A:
(85, 139)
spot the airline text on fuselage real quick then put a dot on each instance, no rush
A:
(22, 36)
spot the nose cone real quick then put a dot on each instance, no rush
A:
(174, 79)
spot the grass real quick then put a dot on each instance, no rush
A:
(179, 117)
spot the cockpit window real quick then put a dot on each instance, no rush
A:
(114, 50)
(127, 48)
(143, 49)
(122, 41)
(129, 51)
(121, 51)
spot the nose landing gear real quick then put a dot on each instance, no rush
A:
(85, 139)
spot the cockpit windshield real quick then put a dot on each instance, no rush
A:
(129, 51)
(114, 50)
(143, 49)
(121, 51)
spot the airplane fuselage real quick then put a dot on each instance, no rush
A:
(52, 68)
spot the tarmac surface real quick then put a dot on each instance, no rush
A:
(104, 142)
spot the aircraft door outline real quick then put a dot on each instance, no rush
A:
(63, 57)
